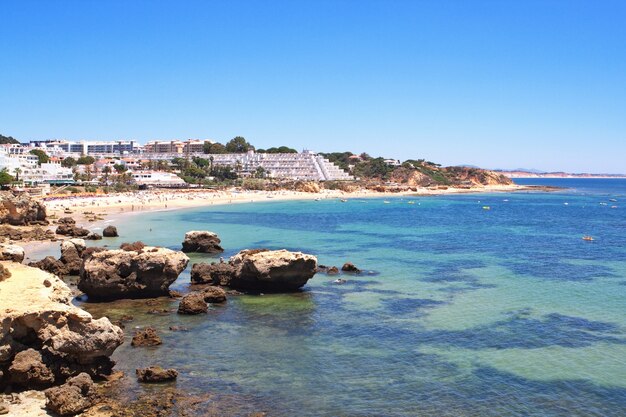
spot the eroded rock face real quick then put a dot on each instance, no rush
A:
(202, 241)
(154, 374)
(110, 231)
(72, 255)
(25, 233)
(36, 313)
(259, 270)
(73, 397)
(11, 253)
(142, 273)
(20, 209)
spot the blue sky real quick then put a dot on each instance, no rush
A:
(535, 84)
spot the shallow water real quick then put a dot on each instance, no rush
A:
(462, 311)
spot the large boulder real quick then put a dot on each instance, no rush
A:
(193, 303)
(36, 312)
(272, 270)
(71, 230)
(142, 273)
(11, 253)
(259, 270)
(73, 397)
(214, 295)
(110, 231)
(202, 241)
(20, 209)
(72, 255)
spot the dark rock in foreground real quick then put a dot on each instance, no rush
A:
(52, 265)
(132, 272)
(29, 371)
(259, 270)
(202, 241)
(11, 253)
(193, 303)
(154, 374)
(73, 397)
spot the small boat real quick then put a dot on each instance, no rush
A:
(588, 238)
(566, 204)
(613, 200)
(411, 202)
(603, 204)
(486, 208)
(343, 200)
(317, 199)
(506, 200)
(613, 207)
(386, 202)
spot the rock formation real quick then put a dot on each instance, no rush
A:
(110, 231)
(142, 273)
(44, 339)
(25, 233)
(202, 241)
(156, 374)
(67, 227)
(193, 303)
(52, 265)
(259, 270)
(11, 253)
(20, 209)
(72, 255)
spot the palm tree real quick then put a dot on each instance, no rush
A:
(17, 171)
(106, 170)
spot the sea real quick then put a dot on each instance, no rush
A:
(467, 305)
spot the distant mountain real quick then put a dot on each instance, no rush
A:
(530, 170)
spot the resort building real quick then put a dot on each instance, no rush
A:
(176, 147)
(298, 166)
(60, 147)
(157, 178)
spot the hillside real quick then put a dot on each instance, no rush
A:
(8, 140)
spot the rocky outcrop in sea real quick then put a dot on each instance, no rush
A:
(202, 242)
(259, 270)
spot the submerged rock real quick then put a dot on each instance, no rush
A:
(193, 303)
(146, 337)
(350, 267)
(155, 374)
(110, 231)
(132, 273)
(202, 241)
(11, 253)
(333, 270)
(259, 270)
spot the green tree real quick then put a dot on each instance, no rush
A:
(17, 171)
(106, 170)
(214, 148)
(238, 145)
(260, 173)
(119, 168)
(85, 160)
(68, 162)
(41, 155)
(5, 177)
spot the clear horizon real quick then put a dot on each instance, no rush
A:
(534, 84)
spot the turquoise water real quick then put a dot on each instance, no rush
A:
(461, 311)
